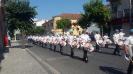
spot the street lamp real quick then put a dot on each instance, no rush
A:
(1, 27)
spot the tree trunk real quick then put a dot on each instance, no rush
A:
(101, 30)
(23, 40)
(63, 31)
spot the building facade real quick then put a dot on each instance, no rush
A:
(51, 26)
(121, 17)
(48, 26)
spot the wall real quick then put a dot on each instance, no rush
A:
(48, 26)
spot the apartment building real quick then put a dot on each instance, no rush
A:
(121, 18)
(51, 26)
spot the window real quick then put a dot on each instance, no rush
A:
(120, 14)
(126, 11)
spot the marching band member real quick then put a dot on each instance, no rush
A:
(121, 34)
(41, 41)
(73, 41)
(51, 41)
(44, 41)
(62, 43)
(47, 41)
(121, 39)
(99, 41)
(54, 42)
(129, 51)
(70, 40)
(116, 40)
(106, 40)
(85, 38)
(74, 44)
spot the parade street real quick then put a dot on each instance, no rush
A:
(99, 63)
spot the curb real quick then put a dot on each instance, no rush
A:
(42, 62)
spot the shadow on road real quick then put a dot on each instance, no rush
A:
(108, 53)
(66, 54)
(111, 70)
(21, 46)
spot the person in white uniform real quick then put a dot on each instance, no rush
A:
(85, 38)
(129, 51)
(98, 40)
(116, 38)
(121, 34)
(106, 40)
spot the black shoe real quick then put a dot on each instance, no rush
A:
(86, 60)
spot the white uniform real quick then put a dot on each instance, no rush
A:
(70, 39)
(62, 41)
(116, 37)
(97, 36)
(98, 39)
(86, 42)
(85, 37)
(129, 43)
(121, 35)
(106, 40)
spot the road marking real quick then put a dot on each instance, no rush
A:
(52, 69)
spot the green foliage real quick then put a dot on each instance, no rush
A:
(19, 15)
(35, 31)
(95, 11)
(84, 21)
(63, 24)
(38, 31)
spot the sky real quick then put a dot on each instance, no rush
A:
(46, 9)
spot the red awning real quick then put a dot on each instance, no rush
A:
(119, 21)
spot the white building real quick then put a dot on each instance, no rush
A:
(39, 22)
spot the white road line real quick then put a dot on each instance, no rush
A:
(52, 69)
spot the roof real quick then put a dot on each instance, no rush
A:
(69, 16)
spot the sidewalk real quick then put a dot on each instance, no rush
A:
(19, 61)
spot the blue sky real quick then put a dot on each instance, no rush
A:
(46, 9)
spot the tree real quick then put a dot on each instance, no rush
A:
(63, 24)
(19, 15)
(38, 30)
(95, 11)
(84, 21)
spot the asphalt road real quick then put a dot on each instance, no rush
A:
(99, 63)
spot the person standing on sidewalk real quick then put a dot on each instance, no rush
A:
(129, 51)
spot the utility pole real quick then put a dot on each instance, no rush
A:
(2, 27)
(130, 13)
